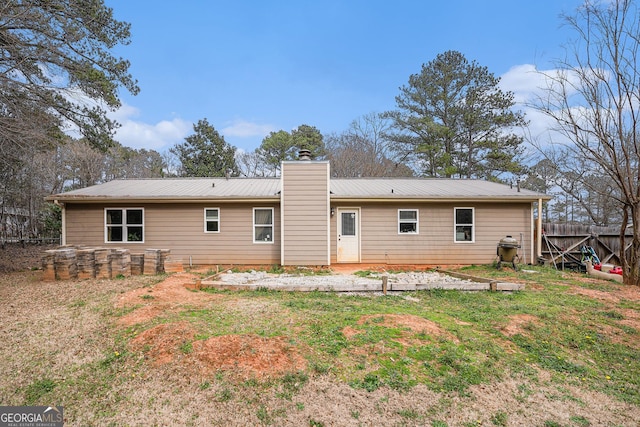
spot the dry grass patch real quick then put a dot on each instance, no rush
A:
(518, 324)
(631, 318)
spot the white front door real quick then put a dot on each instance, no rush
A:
(348, 236)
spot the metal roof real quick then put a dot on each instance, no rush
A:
(427, 188)
(176, 189)
(195, 189)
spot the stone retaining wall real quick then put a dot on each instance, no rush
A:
(73, 262)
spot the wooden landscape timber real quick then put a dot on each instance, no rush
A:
(601, 274)
(384, 285)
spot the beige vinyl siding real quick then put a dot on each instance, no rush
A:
(85, 224)
(180, 228)
(434, 244)
(305, 212)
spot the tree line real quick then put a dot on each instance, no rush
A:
(452, 120)
(58, 74)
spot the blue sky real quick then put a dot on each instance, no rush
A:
(251, 67)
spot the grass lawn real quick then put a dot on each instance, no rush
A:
(149, 351)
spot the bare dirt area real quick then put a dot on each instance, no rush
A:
(415, 324)
(244, 356)
(247, 356)
(517, 324)
(117, 352)
(18, 257)
(170, 295)
(622, 292)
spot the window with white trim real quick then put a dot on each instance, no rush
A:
(124, 225)
(211, 220)
(262, 225)
(407, 221)
(464, 225)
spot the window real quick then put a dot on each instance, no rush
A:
(348, 222)
(407, 221)
(263, 225)
(464, 225)
(211, 220)
(124, 225)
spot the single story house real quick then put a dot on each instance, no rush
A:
(305, 217)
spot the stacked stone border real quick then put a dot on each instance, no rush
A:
(81, 262)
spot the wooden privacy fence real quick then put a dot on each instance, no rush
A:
(562, 243)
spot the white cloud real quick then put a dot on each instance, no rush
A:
(125, 112)
(529, 85)
(166, 133)
(152, 136)
(525, 81)
(246, 129)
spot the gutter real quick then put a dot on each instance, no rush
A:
(436, 199)
(276, 198)
(172, 199)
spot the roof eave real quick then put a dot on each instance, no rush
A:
(275, 198)
(439, 199)
(107, 199)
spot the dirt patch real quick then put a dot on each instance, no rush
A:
(518, 323)
(415, 324)
(616, 335)
(16, 257)
(350, 332)
(248, 356)
(631, 318)
(168, 296)
(141, 315)
(161, 344)
(614, 292)
(617, 293)
(596, 294)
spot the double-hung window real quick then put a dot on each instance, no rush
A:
(124, 225)
(262, 225)
(407, 221)
(464, 225)
(211, 220)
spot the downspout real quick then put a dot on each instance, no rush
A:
(282, 209)
(328, 214)
(63, 237)
(539, 231)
